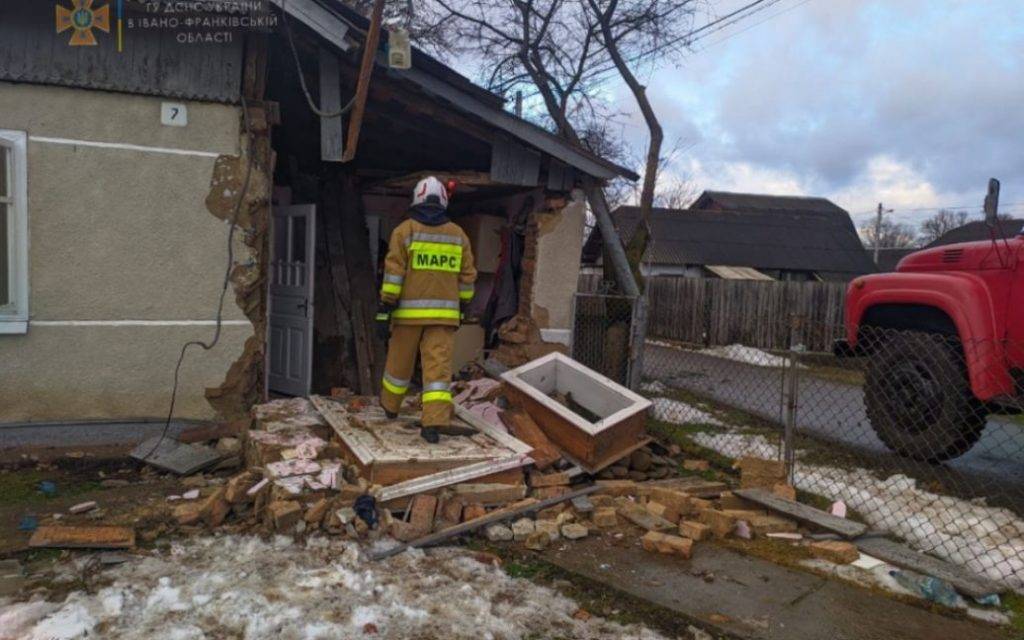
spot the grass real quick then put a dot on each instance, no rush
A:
(680, 435)
(722, 465)
(1013, 606)
(21, 487)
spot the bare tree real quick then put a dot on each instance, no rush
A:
(626, 27)
(891, 235)
(943, 221)
(560, 52)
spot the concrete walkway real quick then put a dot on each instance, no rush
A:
(84, 434)
(746, 597)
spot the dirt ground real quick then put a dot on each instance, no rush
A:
(126, 494)
(70, 587)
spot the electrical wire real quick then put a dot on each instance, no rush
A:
(756, 24)
(206, 346)
(956, 207)
(701, 32)
(302, 78)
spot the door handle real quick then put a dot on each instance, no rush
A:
(304, 306)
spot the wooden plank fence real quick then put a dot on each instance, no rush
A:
(716, 312)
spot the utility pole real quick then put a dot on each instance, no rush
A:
(878, 228)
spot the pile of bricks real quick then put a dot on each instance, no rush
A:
(297, 481)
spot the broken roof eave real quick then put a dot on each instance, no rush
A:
(334, 28)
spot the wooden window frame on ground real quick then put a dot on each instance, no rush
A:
(14, 314)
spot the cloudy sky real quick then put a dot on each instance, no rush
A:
(915, 103)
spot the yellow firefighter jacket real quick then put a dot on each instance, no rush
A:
(428, 272)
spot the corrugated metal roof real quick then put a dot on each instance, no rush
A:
(764, 201)
(979, 230)
(152, 63)
(822, 243)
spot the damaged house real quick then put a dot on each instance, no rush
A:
(123, 164)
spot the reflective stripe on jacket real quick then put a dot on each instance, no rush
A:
(428, 271)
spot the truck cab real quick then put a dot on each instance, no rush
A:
(944, 338)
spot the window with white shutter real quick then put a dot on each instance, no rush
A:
(13, 232)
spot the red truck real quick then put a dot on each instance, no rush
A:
(944, 338)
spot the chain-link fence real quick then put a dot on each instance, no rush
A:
(604, 331)
(915, 430)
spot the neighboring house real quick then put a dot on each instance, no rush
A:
(888, 259)
(748, 237)
(123, 160)
(978, 230)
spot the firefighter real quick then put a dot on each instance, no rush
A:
(428, 281)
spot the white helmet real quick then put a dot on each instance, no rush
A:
(430, 189)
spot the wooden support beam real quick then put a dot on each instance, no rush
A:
(803, 513)
(393, 99)
(471, 525)
(332, 145)
(355, 122)
(901, 555)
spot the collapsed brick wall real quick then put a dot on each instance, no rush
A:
(519, 338)
(243, 383)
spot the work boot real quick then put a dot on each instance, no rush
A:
(430, 435)
(453, 430)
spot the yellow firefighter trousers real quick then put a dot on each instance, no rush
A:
(436, 344)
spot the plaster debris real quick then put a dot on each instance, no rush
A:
(82, 507)
(218, 587)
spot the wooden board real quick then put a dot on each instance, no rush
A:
(527, 506)
(331, 137)
(523, 427)
(692, 486)
(62, 537)
(901, 555)
(803, 513)
(434, 481)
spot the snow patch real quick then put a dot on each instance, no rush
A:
(678, 412)
(239, 586)
(986, 540)
(746, 355)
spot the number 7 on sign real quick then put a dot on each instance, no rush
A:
(173, 114)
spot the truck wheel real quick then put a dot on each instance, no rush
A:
(919, 398)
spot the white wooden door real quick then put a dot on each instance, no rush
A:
(290, 341)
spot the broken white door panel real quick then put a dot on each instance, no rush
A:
(290, 299)
(389, 451)
(449, 477)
